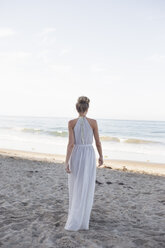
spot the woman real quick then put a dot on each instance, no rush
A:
(80, 164)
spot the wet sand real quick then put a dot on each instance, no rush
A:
(128, 209)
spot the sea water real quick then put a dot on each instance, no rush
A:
(121, 139)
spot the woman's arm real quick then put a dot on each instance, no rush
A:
(98, 143)
(70, 143)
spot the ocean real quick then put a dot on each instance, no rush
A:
(121, 139)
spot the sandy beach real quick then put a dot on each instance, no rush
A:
(128, 209)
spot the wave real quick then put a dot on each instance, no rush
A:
(41, 131)
(58, 133)
(63, 133)
(109, 138)
(130, 140)
(140, 141)
(32, 130)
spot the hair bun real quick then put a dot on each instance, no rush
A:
(82, 104)
(83, 100)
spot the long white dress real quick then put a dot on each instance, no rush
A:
(81, 180)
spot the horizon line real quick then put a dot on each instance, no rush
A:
(68, 117)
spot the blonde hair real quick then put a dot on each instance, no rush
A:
(82, 104)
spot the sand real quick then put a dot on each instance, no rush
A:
(128, 209)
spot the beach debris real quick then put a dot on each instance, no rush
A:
(25, 203)
(98, 182)
(57, 223)
(124, 168)
(108, 182)
(162, 201)
(108, 167)
(129, 187)
(121, 183)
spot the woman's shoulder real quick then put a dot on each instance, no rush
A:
(72, 122)
(92, 122)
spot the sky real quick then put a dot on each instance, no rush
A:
(112, 51)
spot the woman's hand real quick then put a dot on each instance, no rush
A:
(100, 160)
(67, 168)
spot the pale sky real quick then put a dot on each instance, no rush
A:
(112, 51)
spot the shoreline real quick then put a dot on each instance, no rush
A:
(114, 164)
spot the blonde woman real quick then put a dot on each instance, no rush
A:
(80, 164)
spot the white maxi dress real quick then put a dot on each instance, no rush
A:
(81, 180)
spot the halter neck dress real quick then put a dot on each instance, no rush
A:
(81, 180)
